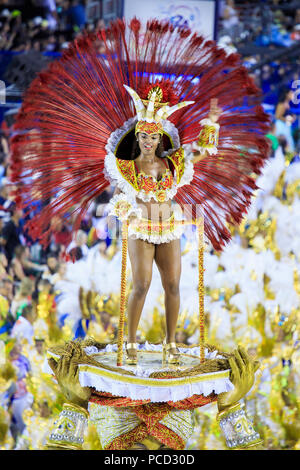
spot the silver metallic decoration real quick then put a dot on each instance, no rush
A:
(69, 428)
(238, 429)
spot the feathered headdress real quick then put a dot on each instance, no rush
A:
(152, 111)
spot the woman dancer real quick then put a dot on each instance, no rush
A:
(155, 236)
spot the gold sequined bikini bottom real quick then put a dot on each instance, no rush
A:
(158, 231)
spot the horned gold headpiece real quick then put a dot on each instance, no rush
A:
(151, 112)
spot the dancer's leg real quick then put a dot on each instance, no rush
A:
(168, 260)
(141, 254)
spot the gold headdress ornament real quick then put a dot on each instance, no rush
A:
(151, 112)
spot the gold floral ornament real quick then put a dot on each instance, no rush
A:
(260, 233)
(123, 208)
(160, 195)
(208, 136)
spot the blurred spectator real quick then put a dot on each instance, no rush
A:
(284, 103)
(51, 270)
(283, 143)
(104, 229)
(107, 324)
(22, 266)
(229, 14)
(61, 235)
(272, 136)
(230, 18)
(22, 296)
(6, 296)
(10, 236)
(79, 241)
(23, 327)
(48, 10)
(76, 253)
(77, 14)
(40, 346)
(61, 272)
(44, 286)
(6, 289)
(3, 266)
(227, 44)
(4, 148)
(283, 128)
(295, 35)
(3, 197)
(21, 398)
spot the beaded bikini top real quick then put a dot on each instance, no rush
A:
(149, 184)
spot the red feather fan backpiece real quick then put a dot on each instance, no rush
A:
(70, 110)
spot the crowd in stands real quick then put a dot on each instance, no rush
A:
(257, 30)
(41, 25)
(49, 25)
(263, 23)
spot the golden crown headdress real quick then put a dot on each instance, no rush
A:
(151, 112)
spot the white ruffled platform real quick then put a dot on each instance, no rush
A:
(140, 386)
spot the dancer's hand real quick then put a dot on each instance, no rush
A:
(67, 374)
(215, 111)
(133, 218)
(242, 376)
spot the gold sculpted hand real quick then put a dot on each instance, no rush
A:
(242, 376)
(67, 374)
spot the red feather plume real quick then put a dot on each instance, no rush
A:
(70, 110)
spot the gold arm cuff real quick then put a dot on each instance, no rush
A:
(68, 429)
(62, 447)
(230, 409)
(79, 409)
(246, 447)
